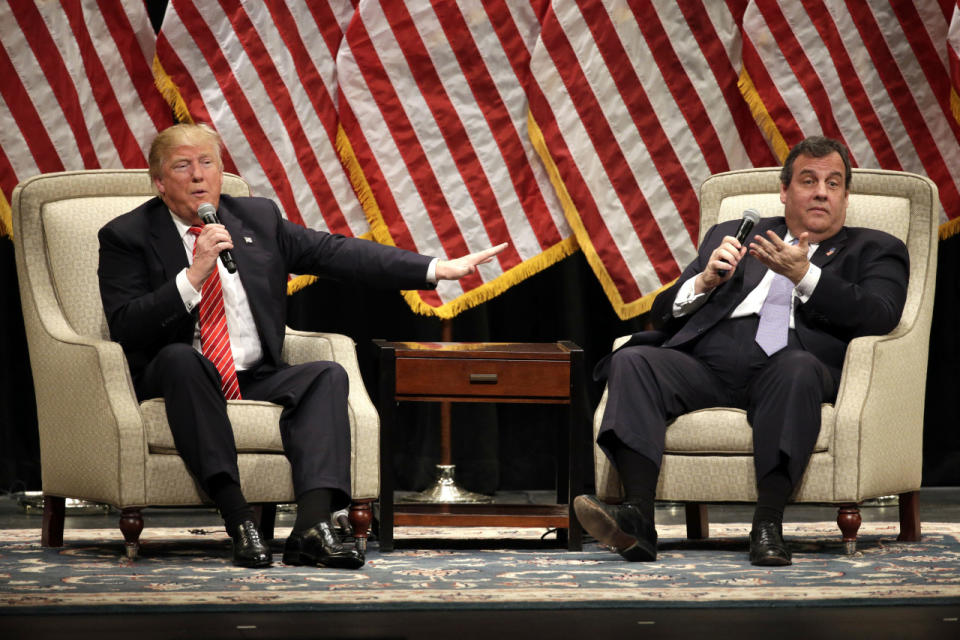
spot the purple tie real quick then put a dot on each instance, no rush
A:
(775, 315)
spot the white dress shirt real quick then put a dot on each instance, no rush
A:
(688, 301)
(244, 340)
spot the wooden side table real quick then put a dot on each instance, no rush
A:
(544, 373)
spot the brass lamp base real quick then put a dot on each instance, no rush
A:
(445, 490)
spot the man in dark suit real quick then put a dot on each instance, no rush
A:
(765, 332)
(161, 282)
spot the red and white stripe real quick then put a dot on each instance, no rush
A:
(873, 74)
(953, 57)
(77, 88)
(263, 73)
(432, 100)
(638, 104)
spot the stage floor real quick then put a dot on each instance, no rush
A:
(717, 623)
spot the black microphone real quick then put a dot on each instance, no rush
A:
(750, 218)
(208, 214)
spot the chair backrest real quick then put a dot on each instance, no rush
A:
(905, 205)
(56, 220)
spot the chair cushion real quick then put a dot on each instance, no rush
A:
(256, 426)
(726, 431)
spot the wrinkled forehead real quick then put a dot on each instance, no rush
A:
(189, 152)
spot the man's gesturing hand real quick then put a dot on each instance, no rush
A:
(787, 260)
(456, 269)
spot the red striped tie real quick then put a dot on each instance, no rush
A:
(214, 337)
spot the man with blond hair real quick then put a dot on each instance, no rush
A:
(197, 333)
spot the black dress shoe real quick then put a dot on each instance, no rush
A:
(248, 549)
(767, 548)
(320, 545)
(621, 527)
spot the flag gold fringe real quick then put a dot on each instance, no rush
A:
(624, 310)
(762, 117)
(381, 233)
(170, 92)
(6, 217)
(298, 283)
(955, 104)
(949, 229)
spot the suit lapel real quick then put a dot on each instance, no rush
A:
(165, 241)
(830, 248)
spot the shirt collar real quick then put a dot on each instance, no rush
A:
(182, 227)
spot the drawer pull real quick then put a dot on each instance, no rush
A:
(483, 378)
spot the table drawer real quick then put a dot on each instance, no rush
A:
(483, 377)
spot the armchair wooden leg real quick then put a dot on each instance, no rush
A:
(848, 519)
(698, 524)
(361, 515)
(909, 517)
(131, 524)
(54, 512)
(265, 516)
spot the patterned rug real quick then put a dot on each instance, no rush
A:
(190, 570)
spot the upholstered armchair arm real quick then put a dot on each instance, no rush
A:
(878, 438)
(303, 346)
(92, 442)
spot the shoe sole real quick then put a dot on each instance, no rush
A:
(771, 561)
(259, 564)
(604, 528)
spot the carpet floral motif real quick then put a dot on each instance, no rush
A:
(432, 568)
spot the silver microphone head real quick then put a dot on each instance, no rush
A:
(753, 215)
(207, 212)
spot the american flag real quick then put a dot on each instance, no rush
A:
(638, 103)
(449, 126)
(433, 103)
(263, 74)
(77, 89)
(873, 74)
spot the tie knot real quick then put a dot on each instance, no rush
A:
(195, 230)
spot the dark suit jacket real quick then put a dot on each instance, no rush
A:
(141, 254)
(861, 291)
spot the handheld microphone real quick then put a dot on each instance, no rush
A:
(750, 218)
(208, 214)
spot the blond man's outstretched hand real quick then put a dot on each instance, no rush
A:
(459, 267)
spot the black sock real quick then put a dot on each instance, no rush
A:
(226, 494)
(639, 475)
(313, 507)
(773, 491)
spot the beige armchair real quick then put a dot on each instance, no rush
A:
(871, 438)
(96, 441)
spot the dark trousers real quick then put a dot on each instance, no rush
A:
(314, 425)
(649, 386)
